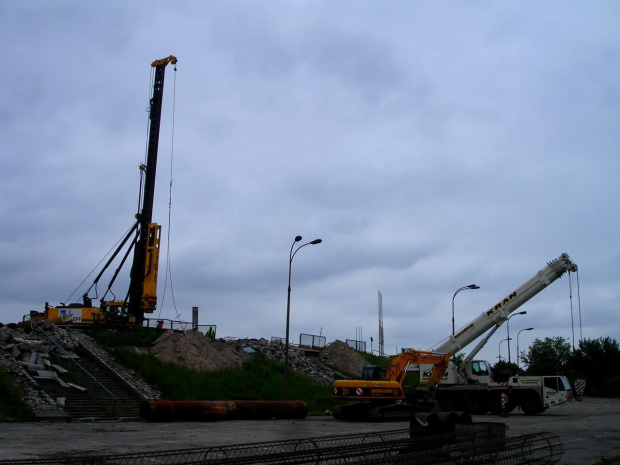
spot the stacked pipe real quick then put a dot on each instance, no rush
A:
(163, 410)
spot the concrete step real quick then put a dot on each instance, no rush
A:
(96, 395)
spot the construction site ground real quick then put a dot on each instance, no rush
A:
(590, 431)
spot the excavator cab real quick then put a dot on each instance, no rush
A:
(373, 373)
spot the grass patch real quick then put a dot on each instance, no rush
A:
(138, 337)
(12, 408)
(376, 360)
(260, 379)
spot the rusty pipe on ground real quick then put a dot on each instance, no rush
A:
(214, 410)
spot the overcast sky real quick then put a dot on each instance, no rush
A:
(429, 146)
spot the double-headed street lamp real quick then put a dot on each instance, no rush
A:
(471, 286)
(288, 304)
(526, 329)
(508, 330)
(499, 355)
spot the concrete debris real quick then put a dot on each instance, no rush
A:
(193, 350)
(297, 359)
(129, 377)
(75, 386)
(25, 357)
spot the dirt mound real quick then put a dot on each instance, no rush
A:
(344, 358)
(194, 350)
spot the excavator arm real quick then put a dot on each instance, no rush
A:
(398, 367)
(383, 398)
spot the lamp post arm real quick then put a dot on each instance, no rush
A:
(288, 306)
(471, 286)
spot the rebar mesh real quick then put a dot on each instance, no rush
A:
(610, 461)
(388, 447)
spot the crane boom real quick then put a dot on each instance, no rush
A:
(499, 313)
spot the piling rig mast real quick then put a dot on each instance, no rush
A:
(141, 296)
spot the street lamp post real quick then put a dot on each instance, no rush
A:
(471, 286)
(288, 304)
(499, 355)
(508, 330)
(526, 329)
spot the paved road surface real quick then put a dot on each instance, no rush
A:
(590, 430)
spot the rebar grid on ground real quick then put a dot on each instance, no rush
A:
(537, 448)
(610, 461)
(389, 447)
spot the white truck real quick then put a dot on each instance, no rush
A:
(471, 386)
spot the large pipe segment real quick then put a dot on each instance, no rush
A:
(211, 410)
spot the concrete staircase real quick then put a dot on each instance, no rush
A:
(96, 395)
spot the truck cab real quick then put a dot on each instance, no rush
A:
(554, 390)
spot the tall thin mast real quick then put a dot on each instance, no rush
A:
(381, 341)
(145, 216)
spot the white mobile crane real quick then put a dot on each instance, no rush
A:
(469, 387)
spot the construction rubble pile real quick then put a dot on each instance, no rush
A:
(297, 359)
(196, 351)
(26, 357)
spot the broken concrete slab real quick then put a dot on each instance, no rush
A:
(52, 415)
(75, 386)
(59, 369)
(15, 352)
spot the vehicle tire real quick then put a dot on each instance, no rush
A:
(476, 406)
(449, 404)
(530, 404)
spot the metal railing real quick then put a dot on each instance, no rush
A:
(176, 325)
(85, 379)
(311, 340)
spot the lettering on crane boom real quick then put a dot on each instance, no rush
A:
(464, 330)
(499, 305)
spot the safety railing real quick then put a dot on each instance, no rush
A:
(85, 379)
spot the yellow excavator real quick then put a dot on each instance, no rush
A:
(379, 394)
(143, 238)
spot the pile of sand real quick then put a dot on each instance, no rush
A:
(343, 358)
(194, 350)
